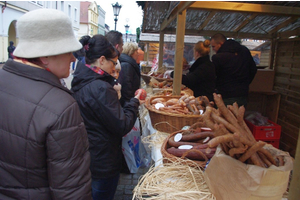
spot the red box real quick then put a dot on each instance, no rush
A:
(265, 133)
(275, 143)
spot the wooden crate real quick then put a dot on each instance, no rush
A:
(265, 103)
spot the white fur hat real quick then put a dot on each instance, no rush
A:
(45, 32)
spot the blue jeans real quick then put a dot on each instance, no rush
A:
(104, 189)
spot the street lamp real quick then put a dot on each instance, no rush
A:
(116, 8)
(126, 29)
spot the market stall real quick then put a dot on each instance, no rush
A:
(275, 22)
(253, 177)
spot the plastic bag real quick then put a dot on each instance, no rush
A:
(256, 118)
(134, 151)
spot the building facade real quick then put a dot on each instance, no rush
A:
(101, 20)
(13, 10)
(88, 18)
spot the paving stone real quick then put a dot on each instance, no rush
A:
(127, 183)
(126, 176)
(128, 191)
(129, 187)
(127, 197)
(135, 182)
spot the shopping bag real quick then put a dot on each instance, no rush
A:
(230, 179)
(133, 149)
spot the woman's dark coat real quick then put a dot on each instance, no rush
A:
(201, 78)
(130, 77)
(105, 120)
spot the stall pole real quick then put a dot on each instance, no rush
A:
(179, 47)
(272, 53)
(294, 190)
(161, 50)
(147, 53)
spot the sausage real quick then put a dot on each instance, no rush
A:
(251, 151)
(194, 155)
(184, 97)
(172, 143)
(220, 139)
(172, 101)
(158, 100)
(196, 111)
(197, 136)
(190, 108)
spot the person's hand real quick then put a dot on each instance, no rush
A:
(140, 94)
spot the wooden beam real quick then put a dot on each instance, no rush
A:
(183, 5)
(246, 7)
(161, 49)
(242, 25)
(179, 47)
(147, 52)
(283, 24)
(273, 49)
(207, 20)
(262, 46)
(226, 33)
(294, 189)
(285, 34)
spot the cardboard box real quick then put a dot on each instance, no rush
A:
(263, 81)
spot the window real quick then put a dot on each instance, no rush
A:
(75, 14)
(48, 4)
(69, 11)
(62, 5)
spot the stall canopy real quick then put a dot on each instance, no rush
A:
(261, 20)
(243, 19)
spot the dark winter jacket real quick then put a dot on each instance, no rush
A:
(106, 121)
(43, 142)
(235, 69)
(201, 78)
(130, 77)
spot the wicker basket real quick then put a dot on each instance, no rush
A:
(167, 157)
(169, 122)
(168, 91)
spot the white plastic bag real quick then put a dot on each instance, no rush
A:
(133, 149)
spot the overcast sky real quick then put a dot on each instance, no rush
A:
(130, 14)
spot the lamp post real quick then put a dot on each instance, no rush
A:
(126, 29)
(116, 9)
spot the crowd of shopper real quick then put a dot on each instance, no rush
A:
(66, 144)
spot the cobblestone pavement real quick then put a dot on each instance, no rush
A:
(127, 182)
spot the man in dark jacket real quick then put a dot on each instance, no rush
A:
(116, 39)
(235, 69)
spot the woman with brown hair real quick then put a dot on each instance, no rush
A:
(201, 76)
